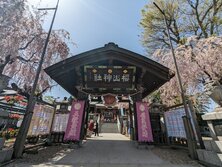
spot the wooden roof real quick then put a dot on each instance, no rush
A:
(69, 73)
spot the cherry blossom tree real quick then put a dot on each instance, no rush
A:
(193, 25)
(185, 18)
(21, 41)
(199, 62)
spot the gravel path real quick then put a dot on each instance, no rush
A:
(175, 156)
(44, 155)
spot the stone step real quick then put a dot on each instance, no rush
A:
(212, 145)
(109, 128)
(212, 116)
(209, 157)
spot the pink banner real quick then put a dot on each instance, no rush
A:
(75, 121)
(143, 122)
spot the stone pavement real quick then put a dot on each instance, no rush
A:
(107, 150)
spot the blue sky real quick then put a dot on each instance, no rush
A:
(93, 23)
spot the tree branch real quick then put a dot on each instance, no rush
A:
(44, 90)
(208, 10)
(199, 64)
(28, 43)
(216, 8)
(197, 15)
(22, 59)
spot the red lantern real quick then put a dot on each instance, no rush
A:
(7, 98)
(109, 99)
(19, 98)
(14, 116)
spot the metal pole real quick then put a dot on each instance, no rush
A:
(49, 141)
(175, 61)
(178, 76)
(20, 139)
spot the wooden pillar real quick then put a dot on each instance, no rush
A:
(136, 98)
(51, 126)
(83, 124)
(190, 138)
(196, 126)
(83, 96)
(135, 122)
(132, 129)
(86, 118)
(165, 126)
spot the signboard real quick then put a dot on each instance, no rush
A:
(109, 77)
(75, 121)
(41, 120)
(174, 123)
(143, 121)
(35, 120)
(60, 122)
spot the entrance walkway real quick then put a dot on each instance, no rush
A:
(106, 150)
(113, 150)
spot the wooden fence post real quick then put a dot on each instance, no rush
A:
(190, 138)
(196, 126)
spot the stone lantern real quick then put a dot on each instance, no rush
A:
(216, 95)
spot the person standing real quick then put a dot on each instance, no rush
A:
(90, 128)
(96, 128)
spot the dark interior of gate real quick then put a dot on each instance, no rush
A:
(111, 80)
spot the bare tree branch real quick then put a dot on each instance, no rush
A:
(45, 89)
(28, 43)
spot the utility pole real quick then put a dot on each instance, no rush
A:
(189, 131)
(20, 139)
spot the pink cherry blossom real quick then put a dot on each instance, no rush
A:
(21, 41)
(199, 62)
